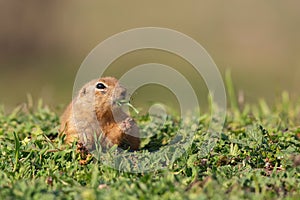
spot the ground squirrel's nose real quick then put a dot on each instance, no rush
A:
(122, 91)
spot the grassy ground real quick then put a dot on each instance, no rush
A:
(255, 157)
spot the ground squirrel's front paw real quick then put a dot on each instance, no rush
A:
(126, 124)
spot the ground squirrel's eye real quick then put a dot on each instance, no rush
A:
(100, 86)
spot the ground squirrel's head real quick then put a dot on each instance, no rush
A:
(99, 96)
(103, 93)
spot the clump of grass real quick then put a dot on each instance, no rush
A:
(255, 157)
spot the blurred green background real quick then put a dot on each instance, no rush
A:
(43, 43)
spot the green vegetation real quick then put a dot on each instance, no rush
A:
(255, 157)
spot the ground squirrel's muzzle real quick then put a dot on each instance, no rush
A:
(119, 93)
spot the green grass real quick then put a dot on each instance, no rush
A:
(256, 156)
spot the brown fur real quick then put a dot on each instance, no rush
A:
(94, 111)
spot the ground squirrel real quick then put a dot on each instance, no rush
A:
(95, 110)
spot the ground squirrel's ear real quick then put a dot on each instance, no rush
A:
(83, 92)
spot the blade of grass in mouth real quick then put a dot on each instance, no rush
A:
(127, 103)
